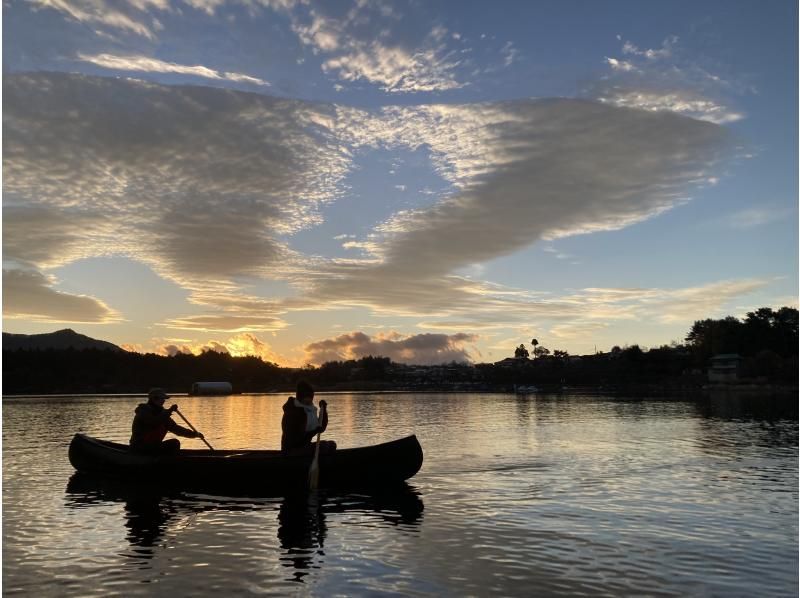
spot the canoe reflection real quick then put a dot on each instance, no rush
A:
(151, 512)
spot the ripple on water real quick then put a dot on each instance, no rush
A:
(559, 496)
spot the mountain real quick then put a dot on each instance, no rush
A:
(61, 339)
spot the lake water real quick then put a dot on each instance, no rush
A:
(518, 495)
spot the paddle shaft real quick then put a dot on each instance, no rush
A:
(313, 471)
(188, 423)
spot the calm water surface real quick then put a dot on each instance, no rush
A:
(536, 495)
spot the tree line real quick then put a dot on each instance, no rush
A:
(766, 339)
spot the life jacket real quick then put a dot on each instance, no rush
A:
(298, 424)
(150, 425)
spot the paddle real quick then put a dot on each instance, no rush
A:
(313, 471)
(188, 423)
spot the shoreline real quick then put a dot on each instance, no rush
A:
(642, 390)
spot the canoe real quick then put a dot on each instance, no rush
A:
(378, 465)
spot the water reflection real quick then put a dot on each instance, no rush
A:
(301, 533)
(151, 513)
(747, 406)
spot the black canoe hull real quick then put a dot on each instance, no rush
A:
(378, 465)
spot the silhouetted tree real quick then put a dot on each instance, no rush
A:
(541, 351)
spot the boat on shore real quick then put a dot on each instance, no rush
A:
(370, 466)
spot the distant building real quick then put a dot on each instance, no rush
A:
(724, 367)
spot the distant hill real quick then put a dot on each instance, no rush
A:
(61, 339)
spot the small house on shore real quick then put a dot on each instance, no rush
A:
(724, 367)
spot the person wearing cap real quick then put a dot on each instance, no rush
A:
(300, 422)
(151, 423)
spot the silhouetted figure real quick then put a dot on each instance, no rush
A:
(521, 352)
(146, 521)
(152, 422)
(301, 532)
(300, 423)
(147, 509)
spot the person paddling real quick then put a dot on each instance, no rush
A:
(300, 422)
(152, 422)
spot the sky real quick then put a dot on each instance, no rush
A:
(424, 180)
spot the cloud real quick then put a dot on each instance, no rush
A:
(509, 53)
(522, 172)
(197, 182)
(682, 102)
(556, 253)
(665, 305)
(129, 17)
(620, 65)
(44, 235)
(364, 45)
(576, 331)
(250, 344)
(140, 17)
(694, 303)
(152, 65)
(29, 294)
(665, 79)
(207, 186)
(227, 322)
(664, 52)
(240, 345)
(171, 350)
(754, 217)
(416, 349)
(396, 69)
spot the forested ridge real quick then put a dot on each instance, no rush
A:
(766, 339)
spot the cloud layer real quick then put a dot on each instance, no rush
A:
(197, 182)
(522, 172)
(208, 186)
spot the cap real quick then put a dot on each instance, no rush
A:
(157, 393)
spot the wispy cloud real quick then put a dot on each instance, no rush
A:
(374, 43)
(509, 53)
(153, 65)
(362, 45)
(620, 65)
(140, 17)
(227, 322)
(129, 17)
(664, 304)
(662, 79)
(754, 217)
(665, 51)
(396, 69)
(682, 102)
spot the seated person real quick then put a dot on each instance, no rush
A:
(300, 423)
(152, 422)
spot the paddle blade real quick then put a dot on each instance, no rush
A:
(313, 474)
